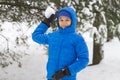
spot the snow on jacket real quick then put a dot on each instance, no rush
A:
(66, 48)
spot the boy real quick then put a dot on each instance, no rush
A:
(67, 52)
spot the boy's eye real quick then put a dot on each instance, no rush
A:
(67, 20)
(61, 20)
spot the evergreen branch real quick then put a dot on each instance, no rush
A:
(20, 4)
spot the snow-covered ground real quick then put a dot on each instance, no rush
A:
(33, 66)
(109, 68)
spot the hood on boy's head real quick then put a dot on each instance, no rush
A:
(71, 15)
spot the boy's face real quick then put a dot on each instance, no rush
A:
(64, 22)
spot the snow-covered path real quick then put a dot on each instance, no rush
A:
(33, 66)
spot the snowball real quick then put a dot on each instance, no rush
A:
(49, 11)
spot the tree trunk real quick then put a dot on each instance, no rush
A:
(97, 51)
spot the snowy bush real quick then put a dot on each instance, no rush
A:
(9, 58)
(14, 43)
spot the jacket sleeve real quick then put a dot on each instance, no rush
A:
(38, 34)
(81, 50)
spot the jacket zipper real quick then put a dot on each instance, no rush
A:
(59, 53)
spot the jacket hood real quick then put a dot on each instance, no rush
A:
(72, 27)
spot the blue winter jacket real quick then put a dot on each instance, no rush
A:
(66, 48)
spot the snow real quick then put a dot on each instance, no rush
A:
(34, 63)
(109, 68)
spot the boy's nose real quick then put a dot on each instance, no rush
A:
(64, 25)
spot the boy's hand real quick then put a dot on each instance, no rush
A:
(47, 21)
(61, 73)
